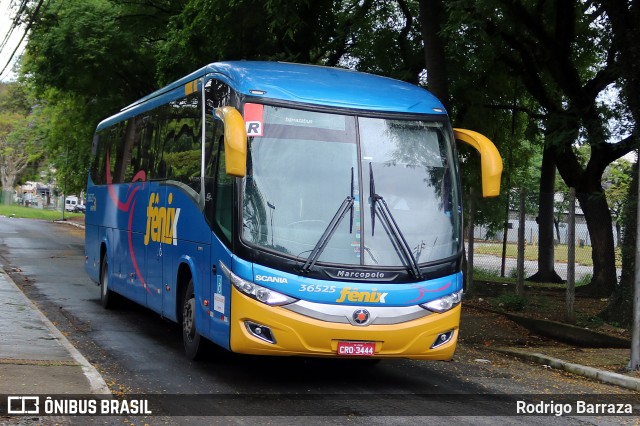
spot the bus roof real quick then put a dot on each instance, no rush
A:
(311, 84)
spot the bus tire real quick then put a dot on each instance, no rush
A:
(107, 297)
(190, 336)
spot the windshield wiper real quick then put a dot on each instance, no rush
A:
(346, 205)
(379, 206)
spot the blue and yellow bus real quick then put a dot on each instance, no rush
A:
(285, 209)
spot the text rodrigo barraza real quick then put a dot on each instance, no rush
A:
(576, 407)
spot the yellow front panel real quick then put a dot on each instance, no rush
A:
(297, 334)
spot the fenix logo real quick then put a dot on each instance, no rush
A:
(162, 222)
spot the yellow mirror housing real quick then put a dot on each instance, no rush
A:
(235, 141)
(490, 160)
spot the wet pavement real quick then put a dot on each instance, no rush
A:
(35, 357)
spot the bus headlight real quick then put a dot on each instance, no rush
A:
(255, 291)
(445, 303)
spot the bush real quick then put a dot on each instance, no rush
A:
(510, 302)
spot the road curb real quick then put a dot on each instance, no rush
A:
(589, 372)
(96, 382)
(71, 223)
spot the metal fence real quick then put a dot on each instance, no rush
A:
(495, 253)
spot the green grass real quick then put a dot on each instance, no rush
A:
(481, 274)
(33, 213)
(583, 254)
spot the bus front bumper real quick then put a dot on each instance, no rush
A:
(296, 334)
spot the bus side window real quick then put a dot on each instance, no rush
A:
(105, 146)
(223, 196)
(182, 150)
(218, 186)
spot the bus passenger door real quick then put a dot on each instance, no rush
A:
(219, 196)
(221, 289)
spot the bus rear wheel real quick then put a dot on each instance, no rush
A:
(190, 336)
(107, 297)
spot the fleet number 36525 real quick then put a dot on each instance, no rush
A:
(317, 288)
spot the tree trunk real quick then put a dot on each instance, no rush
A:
(431, 20)
(589, 192)
(546, 247)
(598, 218)
(8, 183)
(7, 197)
(620, 306)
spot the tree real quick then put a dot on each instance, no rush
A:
(623, 19)
(546, 220)
(617, 178)
(432, 20)
(619, 308)
(98, 49)
(67, 134)
(85, 60)
(19, 138)
(565, 58)
(205, 31)
(13, 160)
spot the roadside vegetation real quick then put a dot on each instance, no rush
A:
(31, 213)
(582, 253)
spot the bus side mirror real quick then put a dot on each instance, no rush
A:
(235, 141)
(490, 160)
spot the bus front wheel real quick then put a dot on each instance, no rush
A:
(190, 336)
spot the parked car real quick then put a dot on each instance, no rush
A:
(73, 204)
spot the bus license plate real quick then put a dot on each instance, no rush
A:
(356, 348)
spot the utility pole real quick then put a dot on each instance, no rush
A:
(570, 314)
(470, 241)
(64, 186)
(521, 244)
(634, 362)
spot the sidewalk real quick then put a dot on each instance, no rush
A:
(504, 333)
(609, 377)
(35, 357)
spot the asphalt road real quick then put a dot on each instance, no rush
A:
(140, 353)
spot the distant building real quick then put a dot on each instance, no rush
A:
(33, 193)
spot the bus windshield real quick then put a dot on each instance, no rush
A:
(303, 165)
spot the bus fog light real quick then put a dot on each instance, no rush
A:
(260, 331)
(442, 339)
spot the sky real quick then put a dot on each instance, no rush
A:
(7, 12)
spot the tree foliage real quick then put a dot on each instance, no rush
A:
(532, 75)
(20, 135)
(565, 59)
(206, 31)
(617, 179)
(85, 60)
(620, 307)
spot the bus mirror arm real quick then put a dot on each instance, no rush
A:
(235, 141)
(490, 160)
